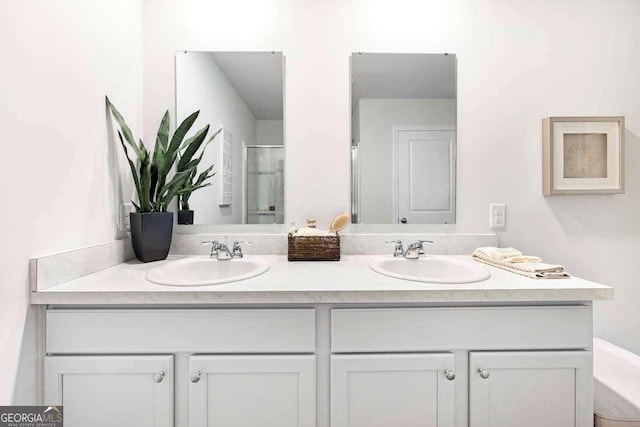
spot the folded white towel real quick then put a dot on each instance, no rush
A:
(500, 253)
(308, 231)
(535, 270)
(523, 258)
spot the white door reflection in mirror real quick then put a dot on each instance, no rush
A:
(413, 92)
(424, 178)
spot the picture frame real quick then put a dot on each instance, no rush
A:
(583, 155)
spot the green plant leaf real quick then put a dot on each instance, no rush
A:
(162, 139)
(132, 166)
(181, 132)
(170, 189)
(154, 180)
(183, 200)
(191, 188)
(145, 181)
(186, 143)
(205, 175)
(214, 135)
(126, 131)
(193, 144)
(191, 165)
(159, 169)
(189, 185)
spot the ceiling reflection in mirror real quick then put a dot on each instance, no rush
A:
(242, 95)
(403, 138)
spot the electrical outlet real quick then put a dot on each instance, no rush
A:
(127, 208)
(498, 216)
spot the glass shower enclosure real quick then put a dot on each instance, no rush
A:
(264, 184)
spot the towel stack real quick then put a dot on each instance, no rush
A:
(512, 260)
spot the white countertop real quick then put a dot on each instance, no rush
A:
(347, 281)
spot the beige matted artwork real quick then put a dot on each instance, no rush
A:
(582, 155)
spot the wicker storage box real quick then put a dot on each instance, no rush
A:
(314, 248)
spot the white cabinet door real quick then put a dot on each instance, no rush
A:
(250, 391)
(408, 390)
(111, 391)
(531, 389)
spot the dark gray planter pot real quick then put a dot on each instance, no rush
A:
(185, 217)
(151, 235)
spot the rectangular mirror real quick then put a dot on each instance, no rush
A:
(403, 138)
(242, 93)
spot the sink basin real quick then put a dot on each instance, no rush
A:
(432, 269)
(204, 271)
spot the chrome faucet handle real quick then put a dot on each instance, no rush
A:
(214, 246)
(414, 250)
(236, 252)
(425, 241)
(420, 246)
(223, 253)
(219, 250)
(399, 248)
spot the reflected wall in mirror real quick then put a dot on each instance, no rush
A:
(403, 138)
(242, 92)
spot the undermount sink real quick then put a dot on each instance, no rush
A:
(204, 271)
(432, 269)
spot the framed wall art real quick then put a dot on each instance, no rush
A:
(582, 155)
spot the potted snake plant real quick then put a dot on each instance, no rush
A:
(192, 183)
(151, 224)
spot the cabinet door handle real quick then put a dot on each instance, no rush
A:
(157, 378)
(195, 377)
(449, 374)
(484, 374)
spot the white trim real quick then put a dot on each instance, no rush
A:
(245, 183)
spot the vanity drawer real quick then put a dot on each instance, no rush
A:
(451, 328)
(176, 330)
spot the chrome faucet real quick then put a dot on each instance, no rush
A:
(413, 251)
(399, 248)
(221, 250)
(236, 252)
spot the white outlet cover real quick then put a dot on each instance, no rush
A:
(498, 216)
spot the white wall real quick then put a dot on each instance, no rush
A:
(377, 118)
(518, 61)
(203, 86)
(59, 60)
(270, 132)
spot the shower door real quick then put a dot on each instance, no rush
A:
(264, 184)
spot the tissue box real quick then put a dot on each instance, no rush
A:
(313, 248)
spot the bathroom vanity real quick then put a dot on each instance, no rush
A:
(319, 344)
